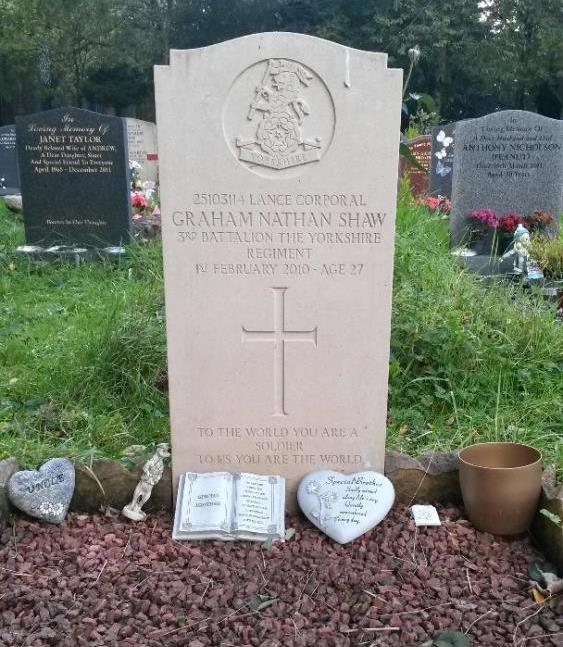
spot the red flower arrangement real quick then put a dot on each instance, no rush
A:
(485, 217)
(138, 200)
(440, 203)
(540, 220)
(491, 220)
(508, 222)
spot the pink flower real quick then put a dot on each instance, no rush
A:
(509, 221)
(486, 217)
(440, 203)
(138, 200)
(445, 204)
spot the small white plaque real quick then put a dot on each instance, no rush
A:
(425, 515)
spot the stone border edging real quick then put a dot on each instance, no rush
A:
(547, 533)
(430, 478)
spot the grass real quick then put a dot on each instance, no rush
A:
(82, 361)
(83, 372)
(470, 361)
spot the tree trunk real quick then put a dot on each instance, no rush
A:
(440, 80)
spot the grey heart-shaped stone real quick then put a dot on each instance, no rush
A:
(44, 493)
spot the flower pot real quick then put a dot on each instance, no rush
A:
(500, 485)
(492, 242)
(483, 242)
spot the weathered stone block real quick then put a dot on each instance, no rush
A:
(8, 466)
(547, 533)
(14, 203)
(432, 478)
(109, 483)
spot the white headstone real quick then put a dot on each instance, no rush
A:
(278, 157)
(142, 144)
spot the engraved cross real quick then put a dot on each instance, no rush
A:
(279, 336)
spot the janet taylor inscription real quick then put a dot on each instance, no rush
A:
(74, 178)
(278, 275)
(69, 147)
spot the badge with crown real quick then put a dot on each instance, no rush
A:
(280, 111)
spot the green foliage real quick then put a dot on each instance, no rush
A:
(451, 638)
(83, 363)
(406, 152)
(117, 85)
(469, 362)
(548, 252)
(475, 58)
(526, 50)
(51, 50)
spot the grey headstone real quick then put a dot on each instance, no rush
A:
(509, 161)
(9, 176)
(44, 493)
(442, 160)
(74, 175)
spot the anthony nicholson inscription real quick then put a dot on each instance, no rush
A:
(509, 161)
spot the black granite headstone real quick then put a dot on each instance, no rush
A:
(442, 160)
(510, 162)
(9, 177)
(74, 178)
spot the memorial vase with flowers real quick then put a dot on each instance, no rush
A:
(492, 233)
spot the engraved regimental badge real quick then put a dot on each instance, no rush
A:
(279, 109)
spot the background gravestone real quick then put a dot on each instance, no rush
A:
(141, 139)
(509, 161)
(278, 249)
(74, 178)
(420, 147)
(442, 160)
(9, 176)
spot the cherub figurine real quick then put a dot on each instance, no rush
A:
(152, 473)
(523, 263)
(520, 244)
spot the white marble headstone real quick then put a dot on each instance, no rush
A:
(142, 146)
(278, 161)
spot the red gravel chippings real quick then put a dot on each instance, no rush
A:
(102, 581)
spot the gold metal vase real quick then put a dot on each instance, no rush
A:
(501, 485)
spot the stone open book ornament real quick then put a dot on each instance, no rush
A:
(345, 506)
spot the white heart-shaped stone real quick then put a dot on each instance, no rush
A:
(44, 493)
(345, 506)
